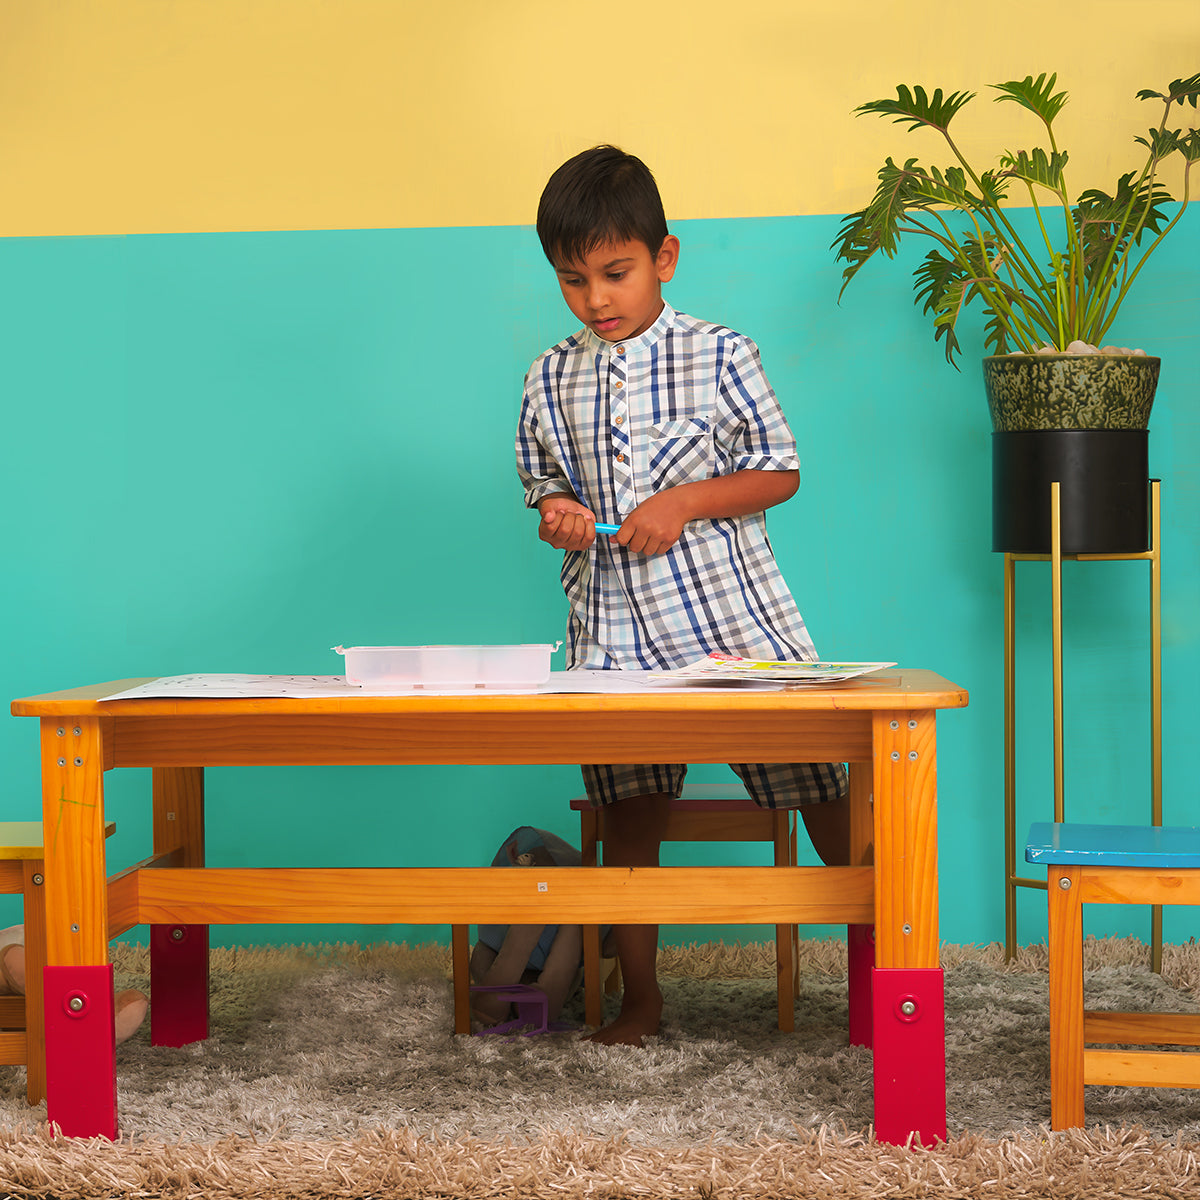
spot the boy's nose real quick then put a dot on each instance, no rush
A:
(598, 296)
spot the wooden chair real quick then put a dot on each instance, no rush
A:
(704, 813)
(1110, 864)
(22, 1018)
(22, 1021)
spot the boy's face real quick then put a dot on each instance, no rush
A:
(617, 289)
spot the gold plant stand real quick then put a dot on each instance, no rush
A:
(1012, 880)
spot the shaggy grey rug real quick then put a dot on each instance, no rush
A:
(331, 1068)
(309, 1042)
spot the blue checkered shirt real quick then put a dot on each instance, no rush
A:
(614, 423)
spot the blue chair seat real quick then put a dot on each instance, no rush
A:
(1054, 844)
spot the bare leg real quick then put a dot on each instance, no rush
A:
(828, 826)
(508, 966)
(561, 970)
(633, 833)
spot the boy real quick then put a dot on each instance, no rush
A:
(667, 427)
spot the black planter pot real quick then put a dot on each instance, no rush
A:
(1080, 421)
(1104, 490)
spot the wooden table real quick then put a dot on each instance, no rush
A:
(885, 720)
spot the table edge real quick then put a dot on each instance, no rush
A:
(896, 689)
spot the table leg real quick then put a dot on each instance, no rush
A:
(860, 939)
(860, 957)
(81, 1096)
(908, 1001)
(179, 953)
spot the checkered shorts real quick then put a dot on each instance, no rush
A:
(770, 785)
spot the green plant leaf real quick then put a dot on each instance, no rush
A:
(1103, 219)
(946, 286)
(1181, 91)
(916, 108)
(1037, 95)
(1105, 231)
(943, 187)
(995, 335)
(902, 191)
(1162, 142)
(878, 226)
(1035, 167)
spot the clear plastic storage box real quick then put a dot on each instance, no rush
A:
(403, 668)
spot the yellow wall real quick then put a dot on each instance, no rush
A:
(181, 115)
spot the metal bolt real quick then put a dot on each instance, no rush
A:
(893, 724)
(38, 880)
(177, 935)
(75, 1004)
(74, 928)
(912, 724)
(77, 731)
(79, 762)
(61, 732)
(895, 756)
(62, 762)
(907, 927)
(1065, 884)
(912, 756)
(908, 1008)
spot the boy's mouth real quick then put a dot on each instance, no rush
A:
(607, 325)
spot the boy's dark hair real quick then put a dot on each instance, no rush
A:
(602, 195)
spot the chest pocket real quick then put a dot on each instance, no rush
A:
(680, 452)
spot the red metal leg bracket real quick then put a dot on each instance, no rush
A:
(860, 947)
(910, 1054)
(81, 1081)
(178, 984)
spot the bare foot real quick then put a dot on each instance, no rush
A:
(634, 1022)
(131, 1007)
(12, 969)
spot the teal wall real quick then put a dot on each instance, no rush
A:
(229, 452)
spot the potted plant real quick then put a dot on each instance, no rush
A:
(1064, 405)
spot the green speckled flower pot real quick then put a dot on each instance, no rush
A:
(1069, 391)
(1078, 421)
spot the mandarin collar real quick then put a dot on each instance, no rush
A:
(635, 344)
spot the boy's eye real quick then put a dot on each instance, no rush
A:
(615, 275)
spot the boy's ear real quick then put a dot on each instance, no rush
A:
(667, 258)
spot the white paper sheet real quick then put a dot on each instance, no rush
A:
(218, 686)
(730, 668)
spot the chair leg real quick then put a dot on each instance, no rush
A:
(786, 964)
(35, 962)
(593, 1003)
(460, 958)
(1066, 998)
(793, 826)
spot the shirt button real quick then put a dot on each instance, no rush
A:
(620, 349)
(620, 420)
(620, 458)
(618, 385)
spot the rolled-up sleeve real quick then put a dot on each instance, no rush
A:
(752, 433)
(540, 473)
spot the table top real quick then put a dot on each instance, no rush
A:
(897, 688)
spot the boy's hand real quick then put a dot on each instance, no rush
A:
(655, 525)
(566, 524)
